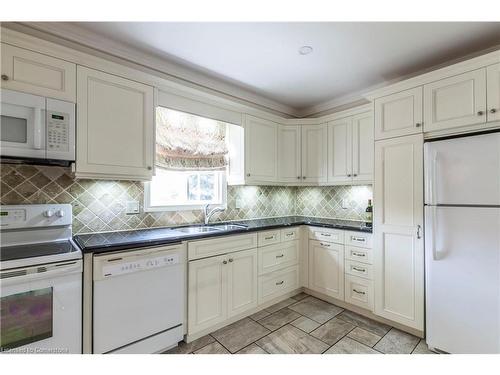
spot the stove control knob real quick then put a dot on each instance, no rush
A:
(48, 213)
(59, 213)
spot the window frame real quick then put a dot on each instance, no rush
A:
(186, 207)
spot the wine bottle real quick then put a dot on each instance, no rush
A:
(369, 213)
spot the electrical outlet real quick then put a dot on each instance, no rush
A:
(343, 204)
(132, 207)
(239, 203)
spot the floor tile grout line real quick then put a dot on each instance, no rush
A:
(353, 328)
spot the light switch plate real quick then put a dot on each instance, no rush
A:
(132, 207)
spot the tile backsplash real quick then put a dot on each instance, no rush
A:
(100, 205)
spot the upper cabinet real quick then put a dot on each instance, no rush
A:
(114, 127)
(261, 150)
(493, 92)
(289, 154)
(455, 101)
(398, 114)
(314, 153)
(38, 74)
(350, 149)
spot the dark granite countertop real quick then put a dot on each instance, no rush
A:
(112, 241)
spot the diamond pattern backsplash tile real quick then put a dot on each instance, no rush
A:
(99, 205)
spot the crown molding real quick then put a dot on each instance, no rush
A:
(64, 32)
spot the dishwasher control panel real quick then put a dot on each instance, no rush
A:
(118, 266)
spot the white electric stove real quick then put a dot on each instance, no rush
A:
(40, 280)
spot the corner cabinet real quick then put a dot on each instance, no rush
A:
(398, 230)
(289, 155)
(115, 126)
(261, 150)
(350, 149)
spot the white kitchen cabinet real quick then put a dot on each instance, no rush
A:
(326, 268)
(261, 150)
(314, 153)
(114, 127)
(362, 147)
(493, 92)
(289, 154)
(350, 149)
(398, 114)
(398, 238)
(455, 101)
(241, 282)
(340, 150)
(235, 140)
(38, 74)
(207, 293)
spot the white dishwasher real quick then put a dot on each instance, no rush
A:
(138, 300)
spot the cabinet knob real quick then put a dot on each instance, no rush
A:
(150, 168)
(355, 175)
(298, 177)
(5, 77)
(348, 175)
(224, 262)
(230, 260)
(303, 177)
(248, 174)
(493, 110)
(480, 113)
(418, 124)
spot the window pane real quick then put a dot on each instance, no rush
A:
(207, 187)
(193, 187)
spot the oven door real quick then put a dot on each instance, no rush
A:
(22, 125)
(41, 309)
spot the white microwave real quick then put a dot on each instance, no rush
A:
(36, 128)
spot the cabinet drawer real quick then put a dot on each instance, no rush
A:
(359, 254)
(359, 292)
(221, 245)
(269, 237)
(359, 239)
(328, 235)
(278, 283)
(279, 256)
(359, 269)
(290, 234)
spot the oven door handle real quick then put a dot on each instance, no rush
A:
(37, 128)
(16, 276)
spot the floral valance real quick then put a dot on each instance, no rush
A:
(189, 142)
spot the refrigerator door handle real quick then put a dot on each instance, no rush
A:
(431, 157)
(431, 225)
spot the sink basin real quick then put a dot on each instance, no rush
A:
(200, 229)
(229, 226)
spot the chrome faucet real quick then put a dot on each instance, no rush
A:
(208, 214)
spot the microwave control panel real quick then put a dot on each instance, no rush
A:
(57, 131)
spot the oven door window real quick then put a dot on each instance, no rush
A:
(25, 318)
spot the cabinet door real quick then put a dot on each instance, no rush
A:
(399, 114)
(241, 282)
(114, 127)
(340, 150)
(314, 153)
(207, 293)
(326, 268)
(38, 74)
(398, 220)
(362, 147)
(493, 92)
(289, 156)
(456, 101)
(261, 150)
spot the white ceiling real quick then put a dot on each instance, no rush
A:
(263, 57)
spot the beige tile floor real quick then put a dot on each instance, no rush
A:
(305, 325)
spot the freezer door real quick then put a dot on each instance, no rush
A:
(463, 171)
(462, 264)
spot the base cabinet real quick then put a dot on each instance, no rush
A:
(326, 268)
(241, 282)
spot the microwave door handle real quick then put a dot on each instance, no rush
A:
(37, 127)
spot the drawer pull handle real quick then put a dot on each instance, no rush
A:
(280, 256)
(269, 238)
(324, 244)
(325, 234)
(359, 254)
(280, 282)
(357, 291)
(359, 269)
(289, 234)
(358, 239)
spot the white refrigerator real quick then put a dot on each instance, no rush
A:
(462, 244)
